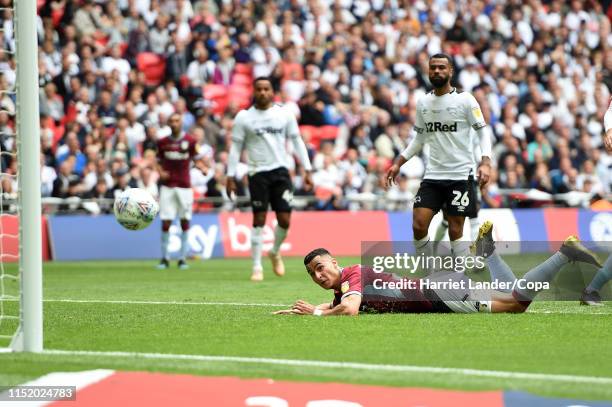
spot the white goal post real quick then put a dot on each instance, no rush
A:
(29, 337)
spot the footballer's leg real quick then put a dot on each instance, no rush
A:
(259, 220)
(440, 232)
(459, 202)
(168, 211)
(185, 196)
(428, 201)
(571, 251)
(280, 233)
(484, 246)
(455, 233)
(182, 263)
(591, 296)
(259, 185)
(281, 198)
(164, 263)
(473, 216)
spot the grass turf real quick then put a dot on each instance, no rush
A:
(559, 338)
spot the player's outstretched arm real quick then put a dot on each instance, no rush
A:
(484, 171)
(348, 306)
(238, 136)
(484, 168)
(415, 146)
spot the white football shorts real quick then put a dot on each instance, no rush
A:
(175, 202)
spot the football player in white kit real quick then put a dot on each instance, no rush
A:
(444, 119)
(263, 130)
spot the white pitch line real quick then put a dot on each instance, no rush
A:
(247, 304)
(567, 313)
(344, 365)
(234, 304)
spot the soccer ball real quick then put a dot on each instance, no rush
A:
(135, 208)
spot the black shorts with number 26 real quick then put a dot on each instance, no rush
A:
(455, 197)
(272, 187)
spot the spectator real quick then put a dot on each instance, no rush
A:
(539, 72)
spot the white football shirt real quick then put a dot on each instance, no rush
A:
(264, 135)
(445, 123)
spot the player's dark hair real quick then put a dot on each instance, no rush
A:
(316, 252)
(442, 55)
(263, 78)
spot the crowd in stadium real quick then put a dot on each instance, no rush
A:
(112, 72)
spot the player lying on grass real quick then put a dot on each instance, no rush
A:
(591, 295)
(359, 288)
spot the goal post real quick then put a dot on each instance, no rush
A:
(30, 334)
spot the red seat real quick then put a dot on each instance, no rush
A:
(328, 132)
(219, 105)
(242, 79)
(153, 66)
(58, 133)
(123, 47)
(240, 91)
(244, 69)
(102, 41)
(71, 114)
(312, 135)
(56, 16)
(212, 91)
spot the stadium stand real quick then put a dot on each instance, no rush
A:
(351, 71)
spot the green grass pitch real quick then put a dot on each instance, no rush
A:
(555, 338)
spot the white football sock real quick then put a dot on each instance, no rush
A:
(184, 245)
(441, 230)
(164, 244)
(474, 226)
(256, 245)
(279, 237)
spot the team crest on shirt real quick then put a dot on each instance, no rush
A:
(184, 145)
(452, 110)
(344, 287)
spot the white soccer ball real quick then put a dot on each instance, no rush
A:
(135, 208)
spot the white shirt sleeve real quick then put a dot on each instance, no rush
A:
(474, 114)
(418, 141)
(414, 147)
(238, 136)
(419, 125)
(485, 141)
(293, 132)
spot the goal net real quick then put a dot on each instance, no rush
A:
(20, 209)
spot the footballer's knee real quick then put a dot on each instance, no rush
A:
(185, 225)
(283, 219)
(166, 225)
(419, 228)
(259, 219)
(455, 228)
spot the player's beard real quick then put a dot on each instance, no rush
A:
(439, 81)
